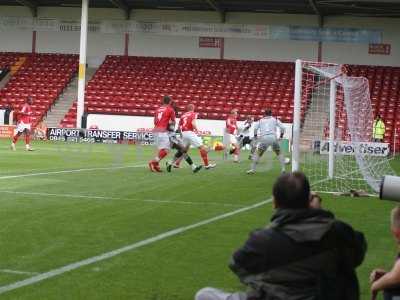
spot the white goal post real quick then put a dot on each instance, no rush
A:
(332, 130)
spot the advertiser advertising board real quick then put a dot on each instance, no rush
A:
(6, 131)
(140, 137)
(352, 148)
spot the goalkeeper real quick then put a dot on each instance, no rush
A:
(265, 134)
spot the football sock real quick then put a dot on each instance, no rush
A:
(253, 150)
(161, 154)
(188, 159)
(256, 158)
(15, 138)
(282, 161)
(178, 155)
(204, 156)
(27, 139)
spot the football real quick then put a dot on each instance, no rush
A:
(218, 146)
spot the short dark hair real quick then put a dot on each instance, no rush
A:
(268, 112)
(292, 190)
(167, 100)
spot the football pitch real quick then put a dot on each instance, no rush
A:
(89, 221)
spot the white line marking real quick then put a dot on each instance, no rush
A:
(116, 198)
(69, 171)
(17, 272)
(108, 255)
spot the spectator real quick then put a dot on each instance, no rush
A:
(378, 131)
(305, 254)
(315, 200)
(389, 282)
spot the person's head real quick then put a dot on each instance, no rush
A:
(378, 116)
(28, 100)
(250, 119)
(315, 200)
(268, 112)
(234, 112)
(166, 100)
(174, 106)
(395, 223)
(292, 190)
(190, 107)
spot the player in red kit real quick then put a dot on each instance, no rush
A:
(187, 125)
(164, 117)
(230, 140)
(24, 125)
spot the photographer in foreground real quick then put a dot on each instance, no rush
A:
(305, 253)
(389, 282)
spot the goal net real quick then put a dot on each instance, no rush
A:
(333, 130)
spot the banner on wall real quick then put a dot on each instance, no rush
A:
(209, 42)
(304, 33)
(382, 49)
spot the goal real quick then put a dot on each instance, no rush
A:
(332, 130)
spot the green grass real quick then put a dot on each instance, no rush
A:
(52, 220)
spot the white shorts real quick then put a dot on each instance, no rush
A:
(230, 139)
(265, 142)
(191, 139)
(21, 127)
(161, 140)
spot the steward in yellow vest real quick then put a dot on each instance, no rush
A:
(378, 132)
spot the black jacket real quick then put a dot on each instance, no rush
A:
(303, 255)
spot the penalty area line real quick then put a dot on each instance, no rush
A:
(70, 171)
(107, 255)
(77, 196)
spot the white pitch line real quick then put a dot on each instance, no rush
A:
(69, 171)
(116, 198)
(113, 253)
(17, 272)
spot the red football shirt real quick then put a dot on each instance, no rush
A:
(231, 125)
(163, 116)
(25, 114)
(186, 121)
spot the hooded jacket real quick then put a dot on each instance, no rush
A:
(305, 254)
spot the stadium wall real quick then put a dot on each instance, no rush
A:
(100, 45)
(136, 123)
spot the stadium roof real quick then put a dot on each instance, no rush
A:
(368, 8)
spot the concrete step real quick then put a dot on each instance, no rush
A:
(65, 101)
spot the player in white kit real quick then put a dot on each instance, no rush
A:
(265, 132)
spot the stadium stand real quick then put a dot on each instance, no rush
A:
(8, 59)
(385, 100)
(41, 76)
(134, 85)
